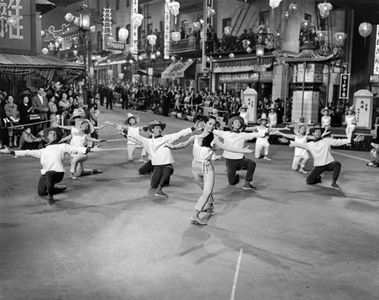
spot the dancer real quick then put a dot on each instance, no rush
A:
(51, 158)
(202, 167)
(262, 145)
(161, 156)
(350, 122)
(80, 137)
(301, 156)
(272, 116)
(244, 114)
(322, 159)
(131, 125)
(237, 161)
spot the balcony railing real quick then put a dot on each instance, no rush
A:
(185, 45)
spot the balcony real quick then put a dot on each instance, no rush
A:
(185, 46)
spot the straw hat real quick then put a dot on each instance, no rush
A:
(263, 117)
(352, 109)
(325, 109)
(299, 125)
(156, 123)
(78, 112)
(57, 130)
(91, 127)
(137, 118)
(316, 127)
(231, 120)
(272, 107)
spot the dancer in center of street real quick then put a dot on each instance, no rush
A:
(202, 168)
(237, 161)
(160, 155)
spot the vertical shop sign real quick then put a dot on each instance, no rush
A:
(166, 31)
(376, 56)
(344, 86)
(134, 28)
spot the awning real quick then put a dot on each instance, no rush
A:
(113, 59)
(44, 6)
(45, 66)
(181, 69)
(240, 69)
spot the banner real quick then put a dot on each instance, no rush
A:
(166, 41)
(134, 28)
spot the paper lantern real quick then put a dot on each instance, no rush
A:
(174, 8)
(92, 28)
(153, 56)
(51, 47)
(365, 29)
(152, 38)
(69, 17)
(339, 38)
(137, 19)
(324, 9)
(260, 50)
(45, 51)
(175, 36)
(43, 33)
(123, 34)
(286, 15)
(211, 12)
(293, 7)
(76, 21)
(245, 43)
(248, 49)
(228, 30)
(231, 55)
(196, 26)
(120, 75)
(158, 53)
(274, 3)
(75, 52)
(131, 61)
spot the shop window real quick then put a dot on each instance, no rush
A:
(264, 18)
(226, 22)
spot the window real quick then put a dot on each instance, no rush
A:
(226, 22)
(149, 28)
(264, 18)
(308, 17)
(117, 4)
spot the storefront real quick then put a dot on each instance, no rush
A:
(182, 72)
(238, 74)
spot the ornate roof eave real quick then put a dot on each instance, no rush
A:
(308, 55)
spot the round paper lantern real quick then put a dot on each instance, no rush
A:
(365, 29)
(131, 61)
(231, 55)
(274, 3)
(76, 21)
(286, 15)
(152, 38)
(196, 26)
(324, 9)
(92, 28)
(339, 38)
(75, 52)
(175, 36)
(45, 51)
(228, 30)
(123, 34)
(259, 50)
(174, 8)
(248, 50)
(211, 12)
(137, 19)
(158, 53)
(153, 56)
(51, 47)
(69, 17)
(245, 43)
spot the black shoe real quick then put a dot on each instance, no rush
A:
(336, 186)
(248, 186)
(318, 180)
(236, 179)
(50, 200)
(160, 193)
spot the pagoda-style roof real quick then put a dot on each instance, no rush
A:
(308, 55)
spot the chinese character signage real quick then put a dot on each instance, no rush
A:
(110, 44)
(134, 27)
(18, 27)
(363, 102)
(376, 56)
(344, 86)
(166, 40)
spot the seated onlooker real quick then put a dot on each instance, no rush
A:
(374, 156)
(28, 141)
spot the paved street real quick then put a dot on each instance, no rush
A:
(108, 237)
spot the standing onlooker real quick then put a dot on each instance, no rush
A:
(53, 110)
(13, 115)
(41, 106)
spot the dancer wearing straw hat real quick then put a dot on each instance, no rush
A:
(237, 161)
(350, 122)
(322, 159)
(160, 155)
(51, 158)
(202, 168)
(131, 125)
(262, 144)
(300, 136)
(272, 116)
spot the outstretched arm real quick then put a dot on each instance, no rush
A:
(64, 127)
(299, 145)
(288, 136)
(182, 144)
(222, 146)
(66, 138)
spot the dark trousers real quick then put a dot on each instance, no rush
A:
(314, 176)
(233, 165)
(161, 175)
(109, 103)
(146, 168)
(46, 182)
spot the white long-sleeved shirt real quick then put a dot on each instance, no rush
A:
(320, 149)
(159, 154)
(236, 140)
(52, 156)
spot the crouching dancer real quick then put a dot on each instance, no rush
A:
(161, 156)
(51, 158)
(322, 159)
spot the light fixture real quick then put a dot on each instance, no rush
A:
(51, 47)
(175, 36)
(153, 56)
(274, 3)
(248, 49)
(137, 19)
(211, 12)
(45, 51)
(365, 29)
(123, 34)
(339, 38)
(196, 26)
(158, 53)
(259, 50)
(324, 9)
(92, 28)
(228, 30)
(75, 52)
(231, 55)
(69, 17)
(152, 38)
(174, 8)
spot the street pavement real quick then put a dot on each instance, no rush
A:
(109, 237)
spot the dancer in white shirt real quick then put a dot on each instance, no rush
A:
(132, 129)
(322, 159)
(202, 168)
(51, 158)
(262, 145)
(350, 122)
(237, 161)
(160, 155)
